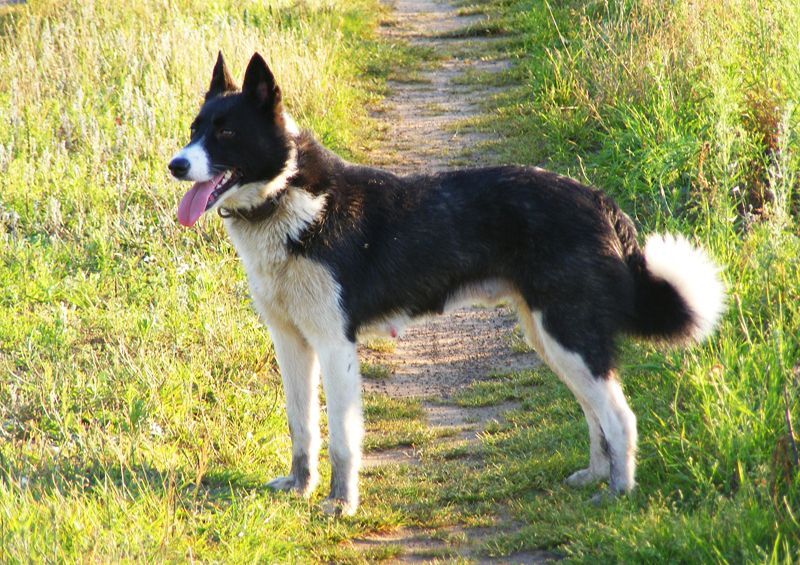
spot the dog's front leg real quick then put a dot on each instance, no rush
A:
(300, 374)
(342, 382)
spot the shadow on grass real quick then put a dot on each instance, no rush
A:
(136, 481)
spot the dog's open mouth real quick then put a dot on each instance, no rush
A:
(203, 195)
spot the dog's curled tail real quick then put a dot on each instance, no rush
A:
(679, 293)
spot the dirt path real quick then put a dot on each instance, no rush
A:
(423, 116)
(445, 354)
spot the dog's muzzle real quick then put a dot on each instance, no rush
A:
(179, 167)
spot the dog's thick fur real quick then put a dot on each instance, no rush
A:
(334, 250)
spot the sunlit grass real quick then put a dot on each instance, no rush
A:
(686, 113)
(140, 408)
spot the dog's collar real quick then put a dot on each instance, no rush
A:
(256, 214)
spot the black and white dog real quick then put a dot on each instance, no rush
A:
(334, 250)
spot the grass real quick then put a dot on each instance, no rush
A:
(396, 423)
(516, 341)
(685, 112)
(375, 371)
(503, 387)
(381, 345)
(140, 408)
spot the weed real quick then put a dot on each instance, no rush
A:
(375, 371)
(381, 345)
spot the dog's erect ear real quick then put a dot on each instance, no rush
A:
(221, 81)
(260, 84)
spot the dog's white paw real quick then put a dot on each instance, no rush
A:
(289, 484)
(585, 477)
(337, 507)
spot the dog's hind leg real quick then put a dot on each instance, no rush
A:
(300, 374)
(599, 464)
(612, 424)
(342, 382)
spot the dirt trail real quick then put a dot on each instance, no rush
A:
(444, 354)
(424, 114)
(437, 358)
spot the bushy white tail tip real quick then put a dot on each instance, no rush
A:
(694, 276)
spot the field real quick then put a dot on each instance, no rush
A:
(686, 112)
(140, 407)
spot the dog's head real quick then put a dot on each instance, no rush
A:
(240, 144)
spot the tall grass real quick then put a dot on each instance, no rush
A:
(137, 390)
(687, 112)
(139, 408)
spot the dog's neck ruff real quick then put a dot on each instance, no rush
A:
(259, 213)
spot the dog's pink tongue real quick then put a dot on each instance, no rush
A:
(194, 202)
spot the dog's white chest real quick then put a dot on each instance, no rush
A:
(286, 287)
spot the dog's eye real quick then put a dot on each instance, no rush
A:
(225, 133)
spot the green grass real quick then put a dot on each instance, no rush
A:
(503, 387)
(686, 113)
(396, 423)
(140, 408)
(381, 345)
(516, 341)
(375, 371)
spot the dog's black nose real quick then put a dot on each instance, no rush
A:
(179, 167)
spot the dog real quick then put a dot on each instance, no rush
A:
(334, 250)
